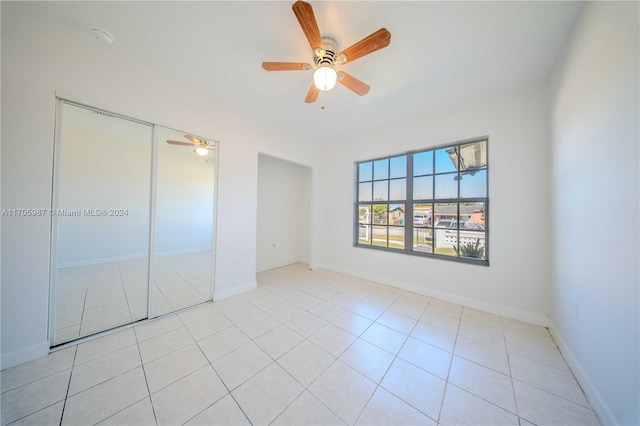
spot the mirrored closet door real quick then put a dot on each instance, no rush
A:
(132, 221)
(183, 221)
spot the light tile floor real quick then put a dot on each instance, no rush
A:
(306, 347)
(95, 298)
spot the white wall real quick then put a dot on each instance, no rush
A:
(41, 56)
(284, 213)
(517, 282)
(595, 119)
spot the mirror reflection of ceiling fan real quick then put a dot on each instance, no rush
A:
(202, 146)
(326, 55)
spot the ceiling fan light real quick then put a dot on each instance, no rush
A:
(325, 78)
(201, 151)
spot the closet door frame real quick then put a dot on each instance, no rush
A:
(60, 101)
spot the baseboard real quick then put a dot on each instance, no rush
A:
(314, 266)
(133, 256)
(182, 251)
(593, 396)
(24, 355)
(282, 265)
(493, 308)
(223, 294)
(99, 261)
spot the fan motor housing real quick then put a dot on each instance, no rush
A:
(330, 52)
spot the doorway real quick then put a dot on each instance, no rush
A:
(284, 213)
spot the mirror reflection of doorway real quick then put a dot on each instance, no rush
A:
(116, 203)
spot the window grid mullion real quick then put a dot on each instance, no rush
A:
(459, 175)
(408, 224)
(429, 204)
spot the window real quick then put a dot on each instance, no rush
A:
(443, 193)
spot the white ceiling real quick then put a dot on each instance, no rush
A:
(441, 53)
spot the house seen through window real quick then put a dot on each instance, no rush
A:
(430, 202)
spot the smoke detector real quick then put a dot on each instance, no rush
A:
(102, 35)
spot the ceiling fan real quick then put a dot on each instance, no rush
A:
(203, 146)
(326, 55)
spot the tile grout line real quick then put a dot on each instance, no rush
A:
(274, 359)
(513, 388)
(66, 396)
(124, 290)
(446, 382)
(493, 371)
(216, 373)
(395, 357)
(84, 307)
(146, 381)
(506, 353)
(119, 375)
(546, 391)
(335, 359)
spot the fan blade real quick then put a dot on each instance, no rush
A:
(195, 140)
(179, 143)
(307, 20)
(353, 84)
(313, 94)
(376, 41)
(286, 66)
